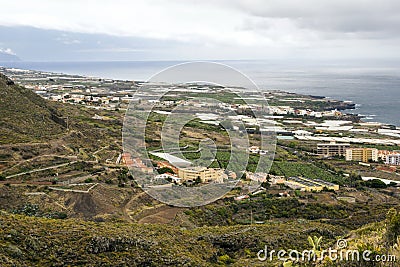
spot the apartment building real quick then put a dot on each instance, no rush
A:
(362, 154)
(393, 159)
(332, 149)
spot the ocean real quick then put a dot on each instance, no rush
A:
(375, 88)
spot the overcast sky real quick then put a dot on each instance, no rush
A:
(200, 29)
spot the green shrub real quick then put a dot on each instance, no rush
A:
(225, 259)
(392, 226)
(89, 180)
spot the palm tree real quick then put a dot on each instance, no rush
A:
(315, 242)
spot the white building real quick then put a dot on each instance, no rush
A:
(166, 176)
(254, 149)
(302, 133)
(382, 154)
(393, 159)
(258, 176)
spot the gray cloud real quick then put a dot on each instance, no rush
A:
(194, 29)
(370, 18)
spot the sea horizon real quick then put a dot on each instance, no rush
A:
(353, 82)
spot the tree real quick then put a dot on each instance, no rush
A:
(375, 183)
(198, 180)
(353, 178)
(165, 170)
(241, 175)
(266, 185)
(89, 180)
(2, 177)
(225, 259)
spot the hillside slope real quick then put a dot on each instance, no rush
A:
(25, 116)
(78, 243)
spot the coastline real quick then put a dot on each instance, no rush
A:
(345, 106)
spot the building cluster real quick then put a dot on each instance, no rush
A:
(92, 100)
(178, 175)
(190, 175)
(353, 140)
(360, 154)
(287, 110)
(89, 91)
(135, 163)
(296, 183)
(256, 150)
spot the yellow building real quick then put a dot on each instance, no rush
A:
(202, 173)
(362, 154)
(307, 184)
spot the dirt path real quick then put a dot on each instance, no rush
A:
(74, 190)
(127, 202)
(41, 169)
(18, 163)
(164, 215)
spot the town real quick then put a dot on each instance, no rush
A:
(305, 126)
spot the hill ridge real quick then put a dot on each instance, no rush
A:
(25, 116)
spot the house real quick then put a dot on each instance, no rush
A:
(302, 133)
(276, 179)
(241, 197)
(168, 176)
(284, 194)
(382, 154)
(254, 149)
(258, 176)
